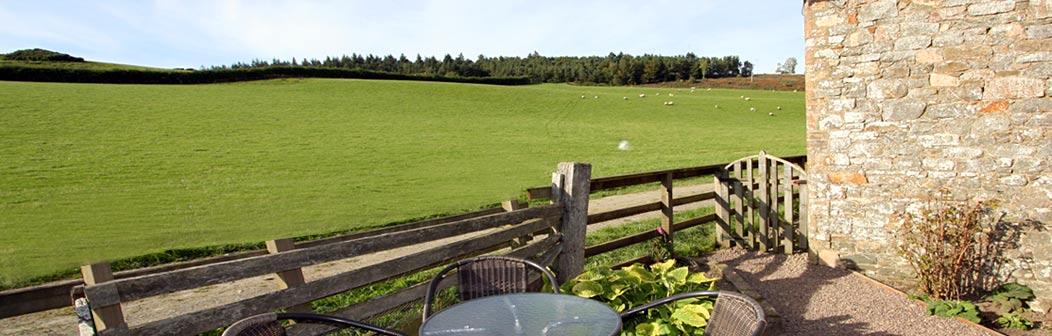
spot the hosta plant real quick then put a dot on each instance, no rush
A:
(638, 284)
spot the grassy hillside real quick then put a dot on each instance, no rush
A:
(91, 172)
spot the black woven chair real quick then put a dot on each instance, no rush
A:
(488, 275)
(270, 324)
(733, 313)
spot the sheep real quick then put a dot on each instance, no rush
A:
(657, 94)
(770, 114)
(752, 109)
(668, 103)
(716, 106)
(742, 97)
(670, 95)
(692, 87)
(748, 99)
(708, 89)
(582, 97)
(624, 98)
(596, 97)
(642, 95)
(778, 108)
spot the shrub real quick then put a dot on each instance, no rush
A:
(636, 285)
(948, 246)
(40, 55)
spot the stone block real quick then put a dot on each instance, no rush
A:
(930, 55)
(887, 89)
(902, 109)
(1013, 88)
(950, 38)
(991, 7)
(978, 75)
(951, 68)
(952, 3)
(950, 110)
(920, 28)
(993, 123)
(943, 80)
(1039, 32)
(1035, 57)
(858, 38)
(1035, 45)
(962, 153)
(996, 107)
(1032, 106)
(829, 20)
(1007, 33)
(936, 164)
(1040, 9)
(881, 9)
(1014, 180)
(913, 42)
(968, 52)
(969, 92)
(847, 177)
(939, 140)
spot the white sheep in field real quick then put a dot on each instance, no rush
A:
(742, 97)
(748, 99)
(642, 95)
(708, 89)
(668, 103)
(657, 94)
(625, 98)
(670, 95)
(770, 114)
(778, 108)
(753, 109)
(582, 97)
(716, 106)
(596, 97)
(692, 88)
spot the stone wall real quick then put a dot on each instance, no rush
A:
(906, 97)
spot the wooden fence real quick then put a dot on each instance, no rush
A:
(559, 230)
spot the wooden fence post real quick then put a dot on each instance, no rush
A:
(667, 212)
(571, 190)
(723, 226)
(789, 231)
(765, 233)
(289, 278)
(512, 205)
(106, 316)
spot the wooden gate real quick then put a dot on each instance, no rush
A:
(761, 204)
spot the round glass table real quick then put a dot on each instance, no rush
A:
(525, 314)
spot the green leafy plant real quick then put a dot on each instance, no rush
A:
(947, 245)
(638, 284)
(1014, 320)
(1011, 297)
(949, 308)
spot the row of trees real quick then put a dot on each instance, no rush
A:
(613, 69)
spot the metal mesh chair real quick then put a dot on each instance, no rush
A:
(488, 275)
(270, 324)
(733, 313)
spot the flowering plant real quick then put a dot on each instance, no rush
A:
(663, 249)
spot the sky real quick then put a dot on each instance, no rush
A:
(204, 33)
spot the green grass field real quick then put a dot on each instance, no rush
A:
(77, 65)
(93, 172)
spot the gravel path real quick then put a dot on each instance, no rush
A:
(818, 300)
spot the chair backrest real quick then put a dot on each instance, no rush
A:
(733, 313)
(269, 324)
(488, 275)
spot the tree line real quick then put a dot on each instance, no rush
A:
(613, 69)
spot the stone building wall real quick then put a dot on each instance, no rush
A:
(906, 97)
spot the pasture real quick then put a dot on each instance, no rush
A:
(93, 172)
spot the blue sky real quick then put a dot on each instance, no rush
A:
(195, 33)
